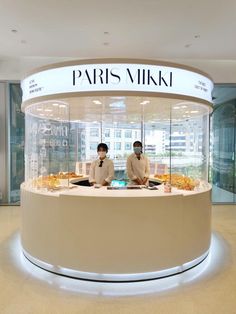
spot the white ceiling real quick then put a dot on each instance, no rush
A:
(51, 31)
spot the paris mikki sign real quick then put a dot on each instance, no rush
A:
(117, 77)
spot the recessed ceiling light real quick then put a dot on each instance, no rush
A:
(176, 107)
(132, 122)
(194, 111)
(62, 106)
(183, 106)
(95, 122)
(55, 105)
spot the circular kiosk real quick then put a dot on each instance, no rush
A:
(116, 233)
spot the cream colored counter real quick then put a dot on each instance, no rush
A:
(116, 235)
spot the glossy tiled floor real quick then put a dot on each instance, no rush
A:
(208, 288)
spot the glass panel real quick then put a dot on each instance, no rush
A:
(189, 140)
(47, 145)
(175, 136)
(3, 146)
(122, 117)
(176, 140)
(157, 133)
(17, 137)
(223, 154)
(121, 145)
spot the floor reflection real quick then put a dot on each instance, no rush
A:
(215, 262)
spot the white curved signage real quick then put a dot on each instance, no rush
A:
(117, 77)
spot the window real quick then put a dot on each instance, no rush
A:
(3, 122)
(174, 144)
(107, 133)
(128, 146)
(223, 150)
(178, 138)
(94, 132)
(93, 145)
(128, 133)
(117, 145)
(118, 133)
(17, 138)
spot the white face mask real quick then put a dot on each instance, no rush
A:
(137, 149)
(102, 154)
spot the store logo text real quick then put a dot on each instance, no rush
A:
(112, 76)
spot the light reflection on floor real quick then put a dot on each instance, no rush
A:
(213, 264)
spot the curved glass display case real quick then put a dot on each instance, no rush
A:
(62, 138)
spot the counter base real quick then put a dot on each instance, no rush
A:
(116, 235)
(80, 275)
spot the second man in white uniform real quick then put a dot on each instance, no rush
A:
(137, 166)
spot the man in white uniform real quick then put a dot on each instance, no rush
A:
(102, 169)
(137, 166)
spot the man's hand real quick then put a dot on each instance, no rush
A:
(104, 183)
(145, 181)
(138, 181)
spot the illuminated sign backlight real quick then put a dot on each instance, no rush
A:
(117, 77)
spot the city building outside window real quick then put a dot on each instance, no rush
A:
(118, 133)
(94, 132)
(107, 133)
(128, 133)
(128, 146)
(117, 145)
(93, 146)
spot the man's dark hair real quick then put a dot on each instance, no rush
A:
(138, 143)
(102, 146)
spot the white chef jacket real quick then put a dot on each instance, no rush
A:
(99, 174)
(137, 168)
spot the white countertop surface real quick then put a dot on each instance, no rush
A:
(104, 192)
